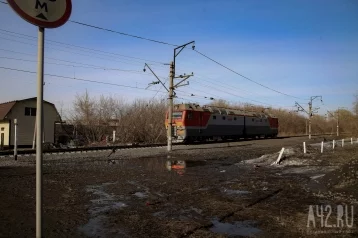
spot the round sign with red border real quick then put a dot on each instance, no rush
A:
(43, 13)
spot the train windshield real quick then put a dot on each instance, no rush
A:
(177, 115)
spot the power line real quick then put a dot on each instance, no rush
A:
(117, 32)
(78, 66)
(74, 78)
(165, 43)
(122, 33)
(234, 88)
(235, 94)
(244, 76)
(198, 53)
(159, 90)
(85, 48)
(85, 80)
(88, 55)
(67, 61)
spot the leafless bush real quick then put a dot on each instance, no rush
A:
(294, 123)
(139, 121)
(355, 104)
(143, 121)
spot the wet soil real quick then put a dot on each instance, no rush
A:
(196, 191)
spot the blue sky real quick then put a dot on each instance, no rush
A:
(302, 48)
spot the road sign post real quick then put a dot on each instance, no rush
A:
(44, 14)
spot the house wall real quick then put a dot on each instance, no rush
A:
(5, 129)
(26, 124)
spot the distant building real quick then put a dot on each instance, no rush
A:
(25, 113)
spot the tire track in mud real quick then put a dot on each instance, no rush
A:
(222, 218)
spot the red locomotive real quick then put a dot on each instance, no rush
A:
(192, 122)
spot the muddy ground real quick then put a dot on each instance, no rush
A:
(213, 190)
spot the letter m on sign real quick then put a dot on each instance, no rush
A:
(41, 5)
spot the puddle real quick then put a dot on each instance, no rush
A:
(239, 228)
(105, 202)
(94, 227)
(235, 192)
(98, 207)
(182, 164)
(140, 195)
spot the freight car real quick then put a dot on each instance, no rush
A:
(192, 122)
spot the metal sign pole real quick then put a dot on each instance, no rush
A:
(15, 139)
(39, 134)
(44, 14)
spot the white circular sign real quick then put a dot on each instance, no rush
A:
(43, 13)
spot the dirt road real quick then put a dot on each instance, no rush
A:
(212, 190)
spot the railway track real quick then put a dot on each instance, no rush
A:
(29, 152)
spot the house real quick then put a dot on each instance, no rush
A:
(25, 113)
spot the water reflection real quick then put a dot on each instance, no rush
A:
(179, 166)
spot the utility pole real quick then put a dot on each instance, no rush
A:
(172, 87)
(338, 118)
(15, 139)
(170, 111)
(301, 109)
(338, 122)
(306, 127)
(309, 113)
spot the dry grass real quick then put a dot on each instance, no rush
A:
(143, 121)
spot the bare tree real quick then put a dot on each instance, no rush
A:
(143, 120)
(355, 104)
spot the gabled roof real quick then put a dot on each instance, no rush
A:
(7, 106)
(5, 109)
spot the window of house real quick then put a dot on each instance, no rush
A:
(2, 128)
(30, 111)
(253, 119)
(234, 118)
(224, 118)
(214, 117)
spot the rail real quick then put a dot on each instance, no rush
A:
(28, 152)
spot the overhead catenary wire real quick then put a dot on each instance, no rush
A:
(80, 47)
(235, 95)
(166, 43)
(235, 72)
(79, 66)
(202, 54)
(72, 62)
(121, 33)
(110, 58)
(81, 79)
(159, 90)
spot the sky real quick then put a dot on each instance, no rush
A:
(302, 48)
